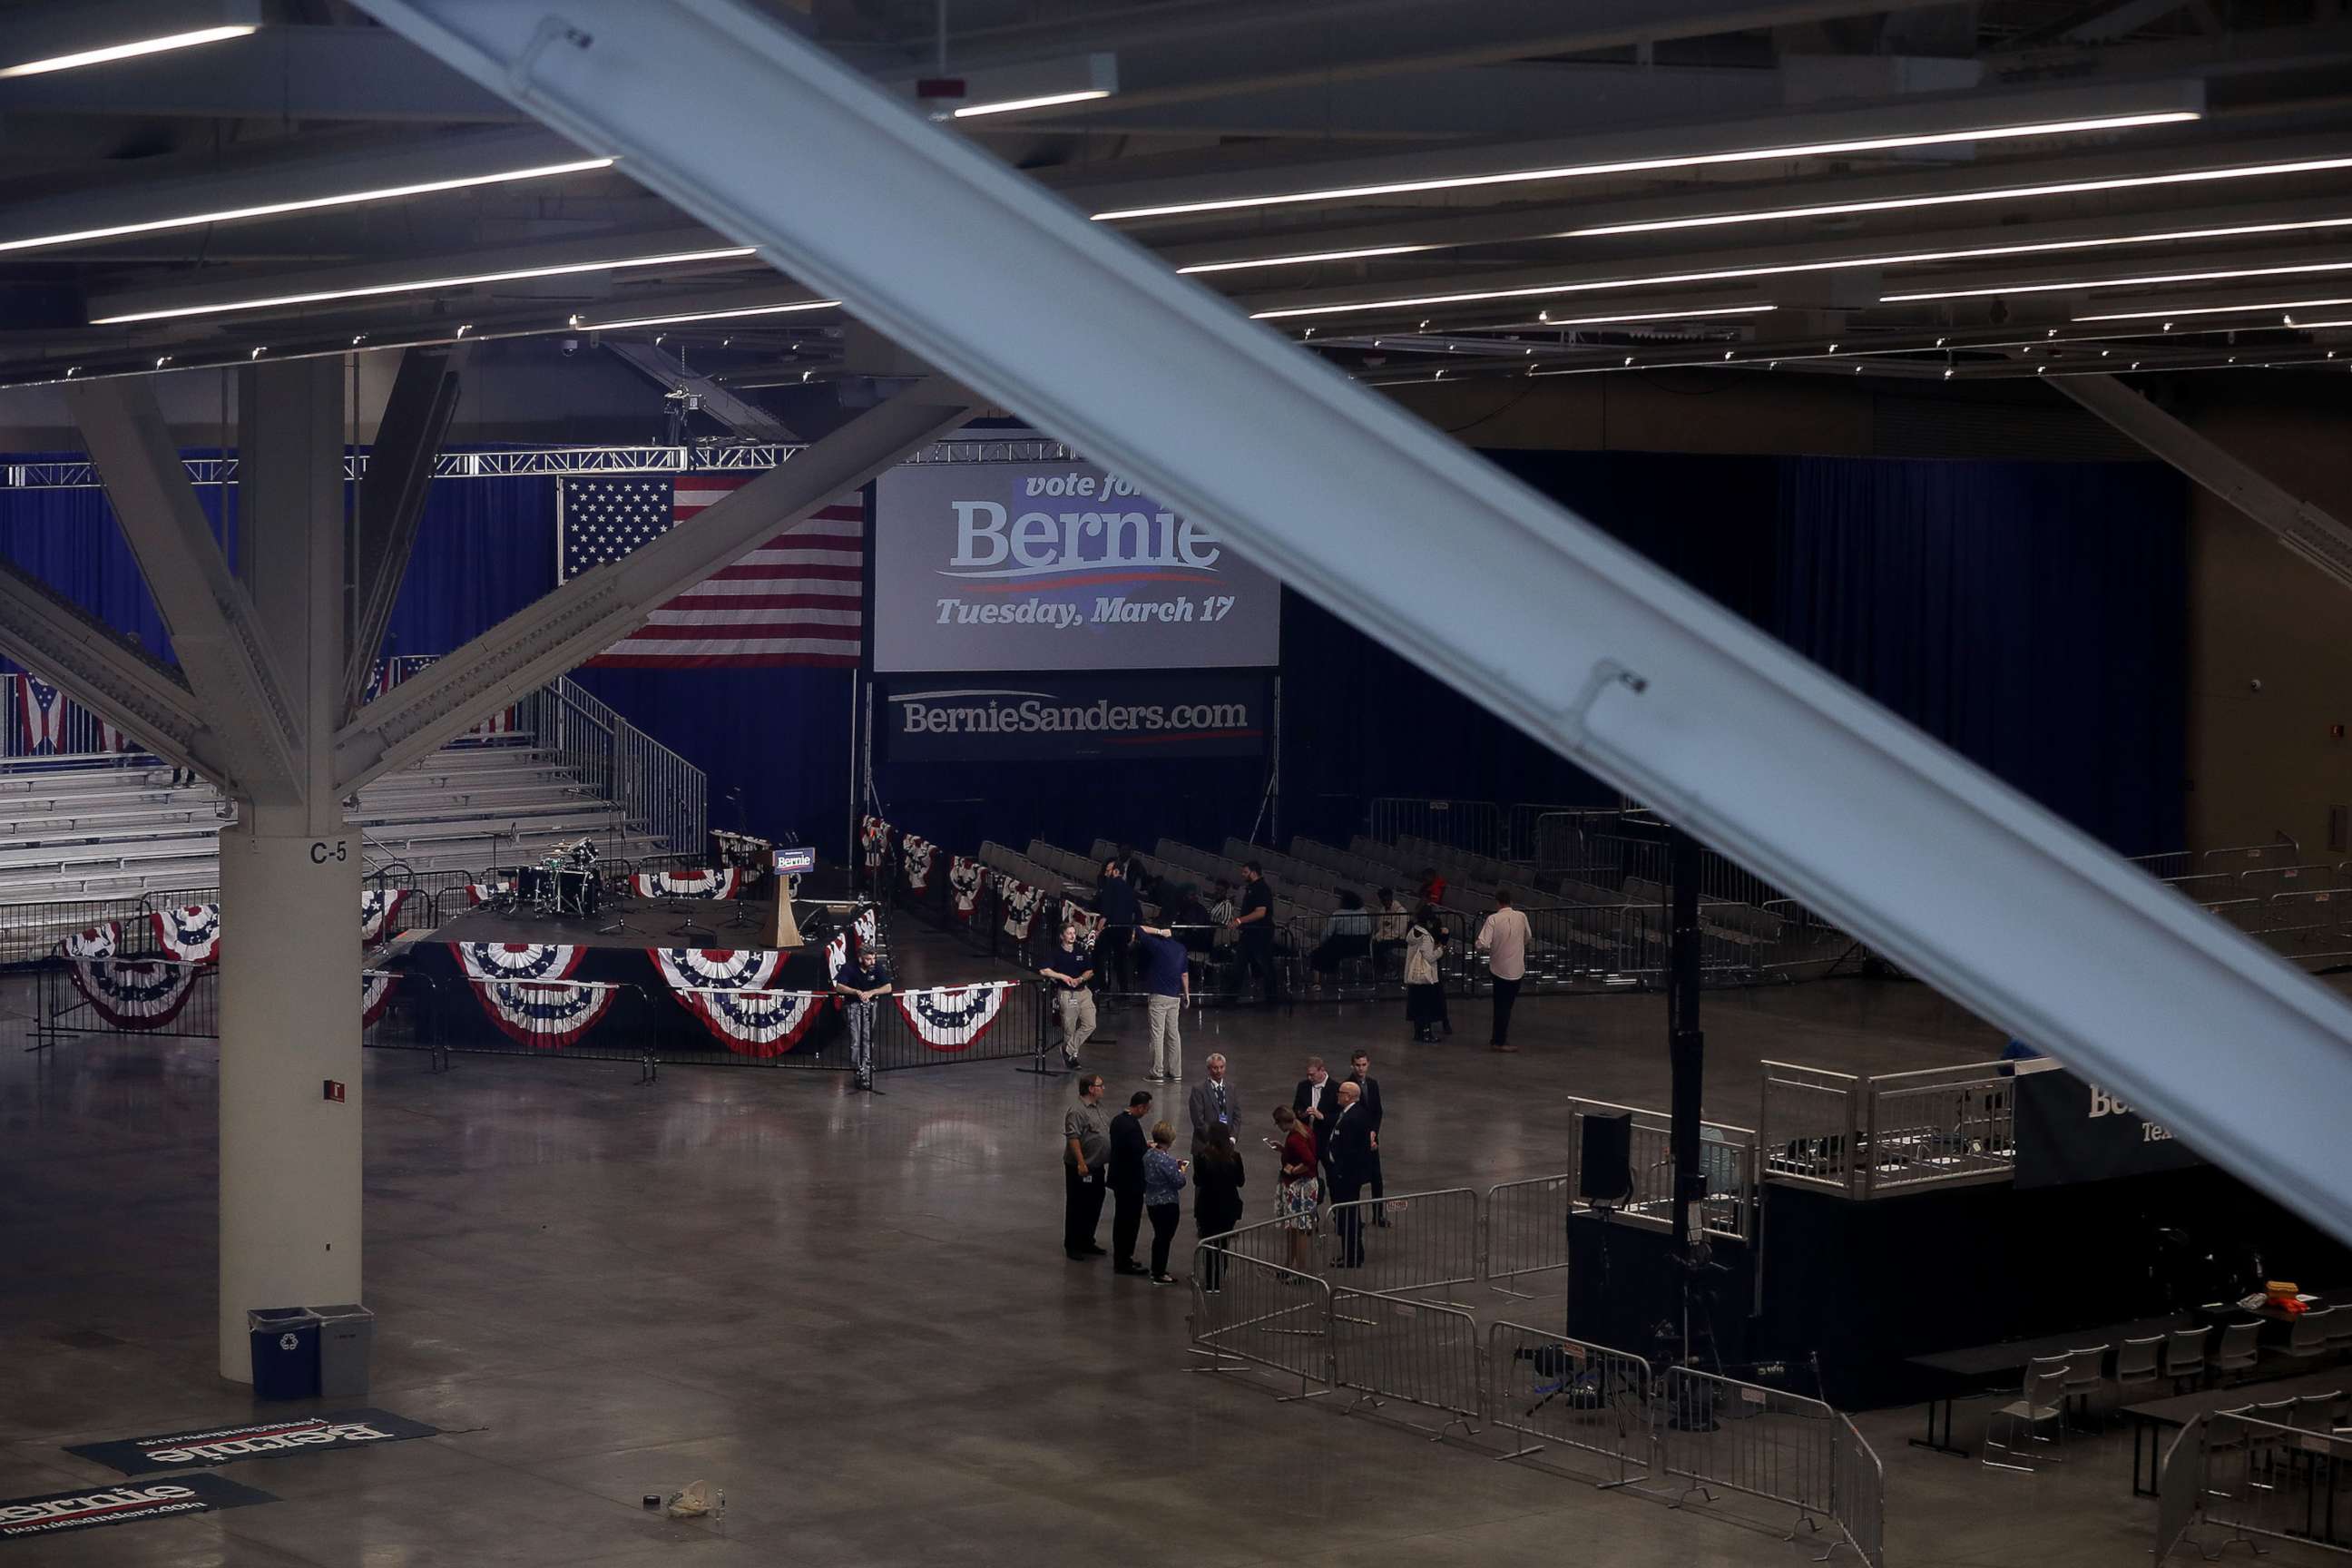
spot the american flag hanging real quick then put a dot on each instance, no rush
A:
(796, 599)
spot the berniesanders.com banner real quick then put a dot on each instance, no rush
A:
(1063, 718)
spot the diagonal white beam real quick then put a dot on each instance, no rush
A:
(391, 500)
(2304, 528)
(599, 607)
(213, 626)
(92, 663)
(1368, 511)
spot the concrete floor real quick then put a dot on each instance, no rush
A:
(854, 1316)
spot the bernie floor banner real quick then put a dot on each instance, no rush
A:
(227, 1445)
(32, 1518)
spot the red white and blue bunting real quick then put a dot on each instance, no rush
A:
(965, 880)
(376, 986)
(134, 994)
(483, 892)
(522, 987)
(727, 989)
(1022, 903)
(188, 933)
(953, 1018)
(1089, 925)
(720, 883)
(866, 928)
(717, 968)
(917, 855)
(378, 910)
(837, 955)
(873, 841)
(92, 942)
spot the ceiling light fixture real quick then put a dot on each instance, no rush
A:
(2168, 315)
(412, 285)
(794, 308)
(1014, 105)
(2147, 280)
(1307, 258)
(1895, 259)
(1956, 198)
(1647, 165)
(111, 52)
(308, 204)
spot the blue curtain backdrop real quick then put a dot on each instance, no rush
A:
(2031, 614)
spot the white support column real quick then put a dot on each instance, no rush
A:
(291, 877)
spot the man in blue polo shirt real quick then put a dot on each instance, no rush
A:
(1168, 982)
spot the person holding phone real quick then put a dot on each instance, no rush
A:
(1300, 1193)
(1163, 1185)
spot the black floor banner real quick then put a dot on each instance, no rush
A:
(227, 1445)
(2070, 1130)
(31, 1517)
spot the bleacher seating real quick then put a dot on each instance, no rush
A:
(76, 832)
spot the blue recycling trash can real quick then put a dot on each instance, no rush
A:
(285, 1353)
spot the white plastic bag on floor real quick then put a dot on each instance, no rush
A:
(692, 1503)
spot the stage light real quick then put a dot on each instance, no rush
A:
(107, 54)
(1892, 259)
(1014, 105)
(418, 285)
(1648, 165)
(308, 204)
(793, 307)
(2143, 281)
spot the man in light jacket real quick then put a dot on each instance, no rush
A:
(1503, 940)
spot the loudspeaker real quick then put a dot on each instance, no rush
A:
(1605, 1173)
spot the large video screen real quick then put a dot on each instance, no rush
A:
(1005, 566)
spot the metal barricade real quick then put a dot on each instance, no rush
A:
(1858, 1493)
(1940, 1126)
(1472, 824)
(1526, 1231)
(1559, 1393)
(1248, 1311)
(1720, 1433)
(1727, 1156)
(2263, 1478)
(1390, 1349)
(1812, 1127)
(1406, 1243)
(2179, 1488)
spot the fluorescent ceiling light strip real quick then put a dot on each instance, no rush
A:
(1014, 105)
(1898, 258)
(2217, 311)
(796, 306)
(112, 52)
(2012, 193)
(308, 204)
(1647, 165)
(1307, 258)
(412, 286)
(1658, 316)
(2142, 281)
(2307, 326)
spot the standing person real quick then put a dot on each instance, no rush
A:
(1164, 1185)
(1217, 1181)
(1130, 865)
(1167, 981)
(1432, 885)
(1114, 900)
(1068, 971)
(1212, 1105)
(1350, 1150)
(861, 980)
(1296, 1200)
(1503, 940)
(1127, 1145)
(1254, 924)
(1085, 1155)
(1316, 1103)
(1424, 983)
(1190, 918)
(1390, 926)
(1346, 934)
(1367, 1090)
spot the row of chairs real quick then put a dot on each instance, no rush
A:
(2057, 1386)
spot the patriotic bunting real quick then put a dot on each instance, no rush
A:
(866, 928)
(377, 912)
(965, 880)
(915, 854)
(134, 994)
(1089, 925)
(726, 988)
(717, 968)
(189, 932)
(837, 955)
(873, 840)
(953, 1018)
(517, 960)
(376, 986)
(483, 892)
(720, 883)
(522, 987)
(1021, 904)
(92, 942)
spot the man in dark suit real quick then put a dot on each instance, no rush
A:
(1317, 1101)
(1127, 1145)
(1359, 1073)
(1351, 1145)
(1114, 900)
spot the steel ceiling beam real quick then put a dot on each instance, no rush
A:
(1542, 618)
(668, 372)
(215, 631)
(2304, 528)
(597, 608)
(93, 664)
(392, 502)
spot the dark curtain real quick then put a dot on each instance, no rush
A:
(2029, 615)
(485, 548)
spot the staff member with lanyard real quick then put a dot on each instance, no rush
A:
(864, 980)
(1069, 970)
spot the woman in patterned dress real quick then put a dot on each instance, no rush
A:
(1298, 1193)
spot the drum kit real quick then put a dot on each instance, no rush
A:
(564, 882)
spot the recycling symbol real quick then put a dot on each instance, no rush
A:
(289, 1343)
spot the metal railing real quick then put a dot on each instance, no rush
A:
(1407, 1244)
(1727, 1156)
(1559, 1392)
(2179, 1488)
(2268, 1478)
(1526, 1231)
(1476, 825)
(1717, 1432)
(1252, 1311)
(1390, 1349)
(1890, 1133)
(1858, 1492)
(657, 791)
